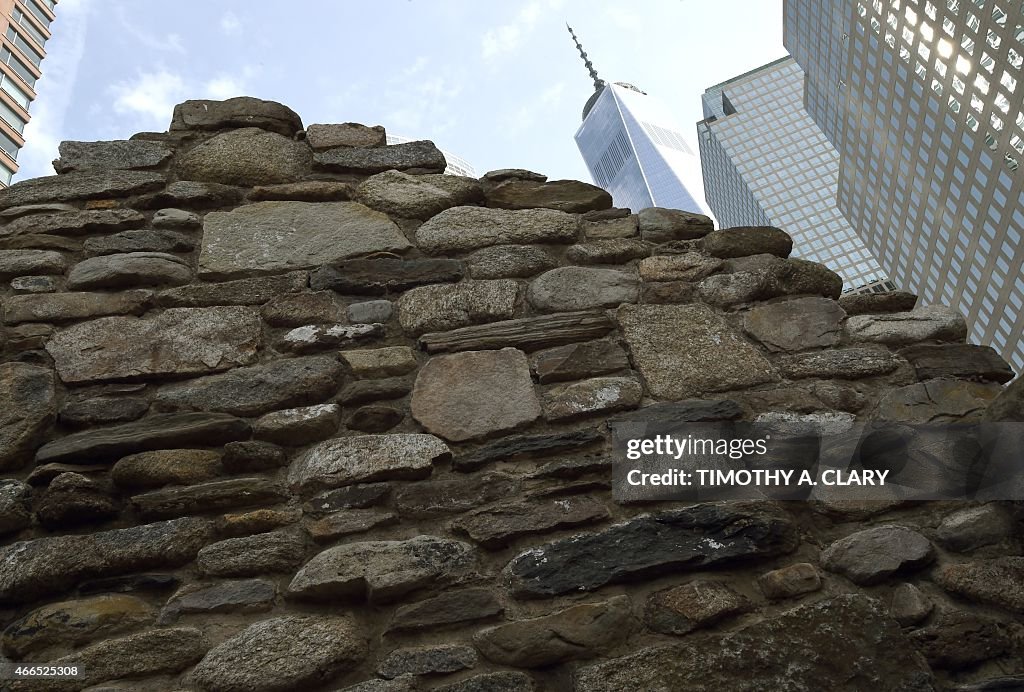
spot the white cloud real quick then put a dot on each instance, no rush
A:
(531, 112)
(150, 97)
(508, 37)
(170, 42)
(624, 19)
(230, 24)
(224, 87)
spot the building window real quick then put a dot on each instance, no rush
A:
(37, 13)
(14, 91)
(5, 173)
(9, 146)
(24, 46)
(18, 66)
(33, 33)
(11, 117)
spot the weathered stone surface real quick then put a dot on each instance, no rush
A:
(241, 111)
(127, 154)
(299, 309)
(582, 288)
(12, 213)
(30, 262)
(564, 195)
(15, 506)
(72, 498)
(276, 551)
(35, 284)
(248, 522)
(573, 468)
(873, 555)
(75, 222)
(1008, 405)
(427, 660)
(75, 622)
(957, 639)
(611, 251)
(516, 447)
(795, 325)
(528, 333)
(436, 498)
(469, 228)
(686, 539)
(374, 419)
(420, 156)
(967, 361)
(299, 426)
(363, 391)
(382, 571)
(909, 606)
(496, 527)
(249, 456)
(843, 364)
(175, 218)
(380, 362)
(28, 406)
(682, 350)
(576, 361)
(324, 137)
(273, 237)
(436, 308)
(364, 458)
(303, 191)
(770, 278)
(589, 397)
(405, 683)
(241, 292)
(866, 303)
(348, 522)
(998, 582)
(974, 527)
(936, 401)
(165, 467)
(285, 653)
(208, 497)
(659, 225)
(132, 583)
(417, 196)
(700, 603)
(37, 568)
(192, 194)
(318, 337)
(140, 241)
(79, 185)
(448, 608)
(377, 277)
(667, 292)
(927, 323)
(605, 229)
(129, 269)
(790, 581)
(178, 341)
(247, 156)
(743, 241)
(505, 681)
(502, 174)
(258, 389)
(687, 411)
(370, 312)
(349, 497)
(818, 646)
(475, 394)
(688, 266)
(246, 596)
(510, 261)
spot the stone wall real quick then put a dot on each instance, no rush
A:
(288, 409)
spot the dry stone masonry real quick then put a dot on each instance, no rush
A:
(287, 408)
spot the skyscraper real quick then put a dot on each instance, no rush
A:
(766, 163)
(922, 99)
(26, 28)
(633, 150)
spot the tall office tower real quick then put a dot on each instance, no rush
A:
(633, 149)
(766, 163)
(456, 164)
(26, 28)
(923, 102)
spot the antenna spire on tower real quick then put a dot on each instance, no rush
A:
(598, 82)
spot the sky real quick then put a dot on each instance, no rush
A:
(499, 83)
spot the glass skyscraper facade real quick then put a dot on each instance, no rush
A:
(923, 100)
(766, 163)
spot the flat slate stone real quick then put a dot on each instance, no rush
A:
(80, 185)
(693, 538)
(686, 411)
(28, 407)
(576, 361)
(303, 191)
(212, 496)
(178, 341)
(129, 269)
(370, 311)
(348, 522)
(389, 361)
(570, 196)
(242, 596)
(968, 361)
(255, 291)
(927, 323)
(75, 222)
(697, 604)
(258, 389)
(241, 111)
(324, 137)
(427, 660)
(247, 157)
(438, 498)
(510, 261)
(140, 241)
(449, 306)
(527, 333)
(495, 527)
(843, 364)
(516, 447)
(796, 325)
(126, 154)
(382, 571)
(378, 277)
(248, 556)
(420, 156)
(365, 458)
(873, 555)
(589, 397)
(505, 681)
(102, 410)
(274, 237)
(683, 350)
(192, 194)
(448, 608)
(37, 568)
(417, 196)
(296, 427)
(31, 262)
(475, 394)
(582, 288)
(469, 228)
(162, 431)
(936, 401)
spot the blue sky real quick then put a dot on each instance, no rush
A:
(499, 83)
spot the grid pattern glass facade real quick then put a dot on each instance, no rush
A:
(633, 151)
(766, 163)
(930, 108)
(456, 164)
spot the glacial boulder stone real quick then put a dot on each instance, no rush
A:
(28, 406)
(692, 538)
(364, 458)
(247, 156)
(324, 137)
(119, 154)
(683, 350)
(564, 195)
(382, 571)
(442, 307)
(129, 269)
(797, 324)
(417, 196)
(175, 218)
(926, 323)
(974, 527)
(80, 185)
(909, 606)
(283, 653)
(743, 241)
(72, 499)
(420, 157)
(274, 237)
(462, 396)
(178, 341)
(873, 555)
(661, 225)
(582, 288)
(469, 228)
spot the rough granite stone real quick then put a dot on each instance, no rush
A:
(417, 196)
(255, 291)
(370, 312)
(797, 324)
(124, 154)
(966, 361)
(590, 397)
(570, 196)
(80, 185)
(909, 606)
(28, 406)
(15, 506)
(974, 527)
(250, 456)
(427, 660)
(299, 309)
(74, 222)
(304, 191)
(582, 288)
(927, 323)
(743, 241)
(165, 467)
(866, 303)
(790, 581)
(873, 555)
(510, 262)
(248, 556)
(469, 228)
(442, 307)
(688, 266)
(72, 499)
(505, 681)
(659, 225)
(247, 156)
(610, 251)
(324, 137)
(420, 156)
(380, 362)
(998, 582)
(843, 364)
(129, 269)
(31, 262)
(296, 427)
